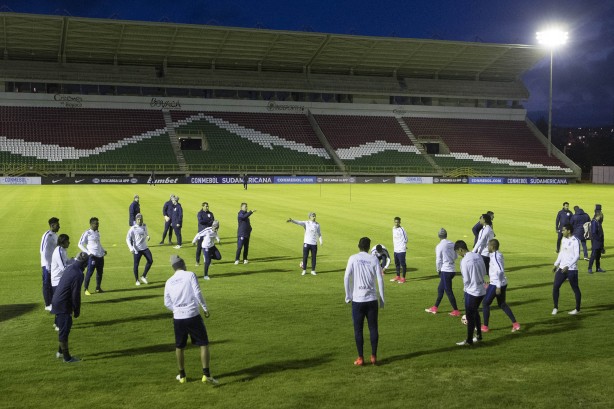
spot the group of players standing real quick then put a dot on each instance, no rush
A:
(62, 297)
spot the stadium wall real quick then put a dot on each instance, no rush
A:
(221, 105)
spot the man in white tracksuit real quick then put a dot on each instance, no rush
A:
(361, 274)
(310, 242)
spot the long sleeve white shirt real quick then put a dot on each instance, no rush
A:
(209, 237)
(49, 242)
(182, 295)
(58, 262)
(569, 253)
(136, 239)
(312, 231)
(90, 243)
(361, 273)
(445, 256)
(481, 246)
(384, 252)
(496, 270)
(399, 238)
(473, 271)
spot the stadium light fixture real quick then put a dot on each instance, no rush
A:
(551, 38)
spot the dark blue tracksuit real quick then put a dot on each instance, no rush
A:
(67, 299)
(205, 219)
(176, 216)
(577, 222)
(597, 240)
(243, 232)
(135, 208)
(166, 211)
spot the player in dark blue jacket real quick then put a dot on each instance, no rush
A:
(597, 242)
(176, 215)
(133, 210)
(243, 232)
(205, 219)
(577, 223)
(563, 217)
(66, 302)
(166, 212)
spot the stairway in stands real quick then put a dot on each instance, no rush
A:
(174, 141)
(417, 143)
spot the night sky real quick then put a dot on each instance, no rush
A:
(583, 69)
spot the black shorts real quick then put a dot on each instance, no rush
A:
(194, 327)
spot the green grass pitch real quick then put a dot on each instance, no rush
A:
(279, 340)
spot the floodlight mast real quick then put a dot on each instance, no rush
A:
(551, 38)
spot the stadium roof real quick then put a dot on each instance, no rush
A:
(30, 37)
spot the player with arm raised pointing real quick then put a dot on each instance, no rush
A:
(310, 243)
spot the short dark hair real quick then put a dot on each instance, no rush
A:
(204, 203)
(495, 243)
(487, 219)
(576, 208)
(378, 248)
(364, 243)
(568, 227)
(53, 220)
(460, 244)
(243, 204)
(93, 219)
(62, 239)
(397, 218)
(565, 203)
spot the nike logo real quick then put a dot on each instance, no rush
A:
(386, 180)
(368, 180)
(56, 181)
(79, 181)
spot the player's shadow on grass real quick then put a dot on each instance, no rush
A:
(522, 287)
(134, 288)
(123, 299)
(556, 324)
(142, 350)
(247, 273)
(124, 320)
(10, 311)
(518, 268)
(423, 278)
(248, 374)
(601, 307)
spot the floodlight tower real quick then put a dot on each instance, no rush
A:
(551, 38)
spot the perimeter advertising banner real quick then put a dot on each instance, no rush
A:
(537, 181)
(413, 180)
(94, 180)
(20, 180)
(377, 179)
(459, 180)
(226, 180)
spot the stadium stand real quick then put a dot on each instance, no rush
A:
(82, 94)
(43, 135)
(489, 146)
(371, 141)
(275, 142)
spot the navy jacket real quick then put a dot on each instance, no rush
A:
(135, 208)
(245, 227)
(205, 219)
(176, 214)
(597, 238)
(577, 222)
(67, 296)
(563, 217)
(166, 209)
